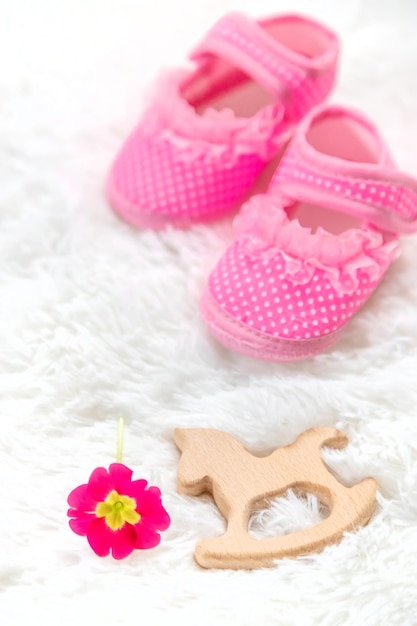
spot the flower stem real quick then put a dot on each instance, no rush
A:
(120, 440)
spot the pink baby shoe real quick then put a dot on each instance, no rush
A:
(311, 251)
(209, 131)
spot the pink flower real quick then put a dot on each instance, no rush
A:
(116, 513)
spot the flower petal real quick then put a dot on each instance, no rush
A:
(146, 537)
(119, 474)
(100, 537)
(100, 484)
(134, 489)
(80, 498)
(164, 520)
(124, 542)
(149, 501)
(149, 506)
(80, 524)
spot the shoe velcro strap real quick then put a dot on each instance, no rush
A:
(380, 195)
(249, 47)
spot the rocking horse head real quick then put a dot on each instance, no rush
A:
(196, 467)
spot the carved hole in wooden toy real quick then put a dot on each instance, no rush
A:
(287, 514)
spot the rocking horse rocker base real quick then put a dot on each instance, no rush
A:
(217, 463)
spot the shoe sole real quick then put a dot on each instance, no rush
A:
(253, 343)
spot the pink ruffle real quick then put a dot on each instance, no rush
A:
(169, 117)
(267, 230)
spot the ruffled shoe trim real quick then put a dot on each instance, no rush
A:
(267, 230)
(169, 117)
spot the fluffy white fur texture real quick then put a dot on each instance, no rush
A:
(99, 320)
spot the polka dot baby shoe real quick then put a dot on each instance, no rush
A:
(311, 251)
(209, 131)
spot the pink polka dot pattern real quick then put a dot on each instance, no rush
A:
(155, 177)
(179, 166)
(258, 293)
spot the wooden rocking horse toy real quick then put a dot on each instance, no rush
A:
(215, 462)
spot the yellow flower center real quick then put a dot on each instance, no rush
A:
(117, 510)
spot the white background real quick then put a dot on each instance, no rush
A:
(98, 319)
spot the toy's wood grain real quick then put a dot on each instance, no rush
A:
(215, 462)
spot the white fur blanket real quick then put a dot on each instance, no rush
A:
(99, 320)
